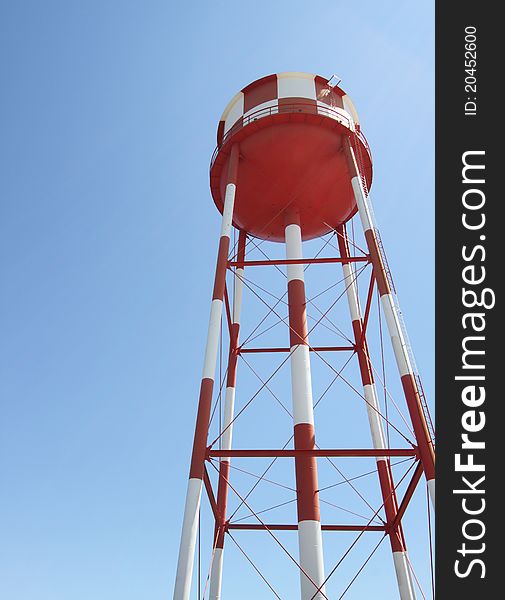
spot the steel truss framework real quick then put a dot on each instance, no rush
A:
(212, 458)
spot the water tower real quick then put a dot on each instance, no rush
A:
(292, 165)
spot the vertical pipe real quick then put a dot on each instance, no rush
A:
(226, 440)
(397, 540)
(184, 572)
(409, 384)
(309, 522)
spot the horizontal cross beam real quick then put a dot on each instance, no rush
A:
(278, 527)
(295, 261)
(344, 452)
(311, 348)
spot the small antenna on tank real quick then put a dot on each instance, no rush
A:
(334, 80)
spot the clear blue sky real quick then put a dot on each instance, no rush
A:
(108, 237)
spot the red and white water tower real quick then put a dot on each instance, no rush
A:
(292, 165)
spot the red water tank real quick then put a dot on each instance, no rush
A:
(290, 128)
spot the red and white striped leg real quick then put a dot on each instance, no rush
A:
(216, 573)
(309, 521)
(190, 522)
(398, 547)
(410, 387)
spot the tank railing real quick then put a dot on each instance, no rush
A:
(299, 107)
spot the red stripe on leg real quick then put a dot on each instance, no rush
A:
(297, 313)
(306, 474)
(222, 265)
(201, 429)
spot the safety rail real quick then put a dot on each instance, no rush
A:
(359, 159)
(415, 370)
(387, 269)
(384, 258)
(425, 407)
(299, 107)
